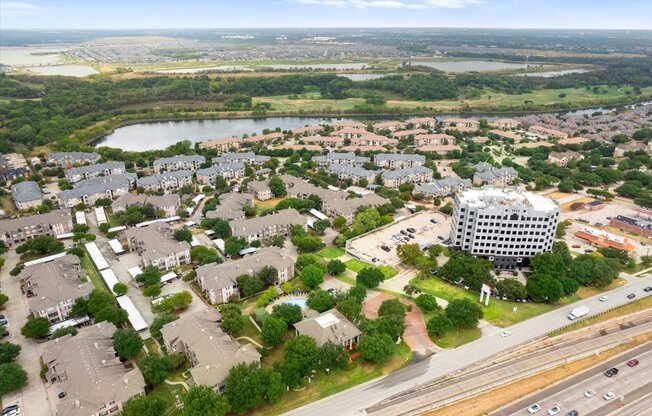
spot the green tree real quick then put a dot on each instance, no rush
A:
(290, 314)
(439, 324)
(273, 331)
(370, 277)
(350, 307)
(36, 328)
(41, 245)
(154, 404)
(150, 276)
(152, 291)
(320, 300)
(464, 313)
(307, 244)
(12, 378)
(475, 271)
(511, 288)
(127, 343)
(232, 319)
(8, 352)
(301, 356)
(333, 356)
(183, 234)
(544, 288)
(409, 253)
(158, 323)
(277, 186)
(58, 333)
(268, 274)
(249, 385)
(233, 245)
(312, 275)
(3, 300)
(120, 288)
(339, 222)
(376, 347)
(426, 302)
(203, 400)
(335, 267)
(249, 285)
(155, 368)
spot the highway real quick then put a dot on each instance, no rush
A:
(354, 401)
(569, 394)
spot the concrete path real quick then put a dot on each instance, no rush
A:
(253, 341)
(178, 383)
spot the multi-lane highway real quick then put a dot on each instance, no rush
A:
(354, 401)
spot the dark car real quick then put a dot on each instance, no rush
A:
(2, 317)
(572, 413)
(631, 296)
(441, 237)
(647, 289)
(633, 362)
(404, 232)
(611, 372)
(3, 322)
(61, 395)
(434, 272)
(434, 221)
(385, 248)
(412, 230)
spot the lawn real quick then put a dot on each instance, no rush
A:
(454, 339)
(324, 385)
(356, 265)
(330, 252)
(266, 205)
(93, 274)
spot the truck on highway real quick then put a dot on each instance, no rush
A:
(578, 313)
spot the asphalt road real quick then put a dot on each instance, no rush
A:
(354, 401)
(569, 394)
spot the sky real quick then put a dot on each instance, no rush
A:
(160, 14)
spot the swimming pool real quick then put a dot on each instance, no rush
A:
(299, 302)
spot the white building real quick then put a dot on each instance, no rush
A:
(503, 225)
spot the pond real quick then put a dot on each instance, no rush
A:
(78, 71)
(19, 56)
(363, 77)
(318, 66)
(552, 74)
(468, 66)
(221, 68)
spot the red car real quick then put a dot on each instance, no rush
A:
(632, 363)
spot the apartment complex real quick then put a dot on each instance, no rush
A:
(174, 163)
(26, 195)
(229, 171)
(398, 160)
(219, 281)
(563, 158)
(262, 192)
(262, 228)
(422, 122)
(489, 175)
(349, 159)
(53, 287)
(88, 191)
(504, 225)
(86, 368)
(434, 139)
(12, 166)
(222, 145)
(210, 351)
(329, 326)
(168, 181)
(355, 174)
(93, 171)
(67, 159)
(231, 206)
(16, 231)
(461, 124)
(247, 157)
(168, 203)
(156, 246)
(440, 188)
(416, 175)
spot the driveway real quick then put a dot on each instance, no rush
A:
(33, 398)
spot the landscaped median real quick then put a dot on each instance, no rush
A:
(357, 265)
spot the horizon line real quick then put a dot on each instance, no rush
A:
(327, 27)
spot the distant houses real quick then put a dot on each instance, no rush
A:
(16, 231)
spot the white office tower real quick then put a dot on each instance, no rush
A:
(503, 225)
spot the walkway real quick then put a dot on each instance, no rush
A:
(253, 341)
(178, 383)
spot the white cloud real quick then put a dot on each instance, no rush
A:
(14, 8)
(394, 4)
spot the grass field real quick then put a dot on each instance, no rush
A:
(330, 252)
(93, 275)
(265, 205)
(454, 339)
(356, 265)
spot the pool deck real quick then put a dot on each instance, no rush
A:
(285, 298)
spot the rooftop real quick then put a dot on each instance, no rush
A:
(490, 197)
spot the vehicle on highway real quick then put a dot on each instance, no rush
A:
(505, 334)
(576, 246)
(554, 410)
(611, 372)
(588, 250)
(590, 393)
(572, 413)
(603, 298)
(578, 312)
(534, 408)
(647, 289)
(631, 296)
(633, 362)
(609, 395)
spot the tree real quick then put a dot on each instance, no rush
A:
(248, 385)
(151, 291)
(41, 245)
(335, 267)
(232, 319)
(150, 276)
(203, 400)
(307, 244)
(339, 222)
(61, 332)
(358, 292)
(233, 245)
(36, 328)
(120, 289)
(267, 296)
(12, 378)
(8, 352)
(426, 302)
(376, 347)
(350, 307)
(333, 356)
(320, 300)
(544, 288)
(301, 357)
(154, 404)
(409, 253)
(370, 277)
(183, 234)
(3, 300)
(464, 313)
(273, 331)
(511, 288)
(439, 324)
(392, 307)
(304, 260)
(290, 314)
(155, 368)
(312, 275)
(268, 274)
(277, 186)
(249, 285)
(475, 271)
(127, 343)
(159, 322)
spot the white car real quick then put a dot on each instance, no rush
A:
(534, 408)
(554, 410)
(609, 395)
(505, 334)
(603, 298)
(589, 393)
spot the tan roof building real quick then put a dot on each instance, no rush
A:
(406, 133)
(157, 247)
(422, 122)
(309, 147)
(505, 123)
(442, 149)
(563, 158)
(326, 141)
(461, 124)
(263, 138)
(434, 139)
(210, 351)
(548, 132)
(349, 124)
(221, 145)
(329, 326)
(230, 207)
(262, 228)
(85, 367)
(16, 231)
(308, 130)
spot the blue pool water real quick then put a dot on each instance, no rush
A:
(299, 302)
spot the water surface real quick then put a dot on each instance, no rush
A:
(78, 71)
(468, 66)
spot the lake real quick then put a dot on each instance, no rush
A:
(16, 56)
(552, 74)
(468, 66)
(159, 135)
(78, 71)
(319, 66)
(221, 68)
(363, 77)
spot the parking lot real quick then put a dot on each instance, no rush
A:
(425, 227)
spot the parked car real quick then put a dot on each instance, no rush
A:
(375, 260)
(459, 281)
(411, 236)
(412, 229)
(432, 220)
(534, 408)
(505, 334)
(588, 250)
(385, 248)
(441, 237)
(572, 413)
(12, 410)
(2, 317)
(61, 394)
(3, 322)
(611, 372)
(576, 246)
(589, 393)
(643, 243)
(404, 232)
(647, 289)
(633, 362)
(609, 395)
(554, 410)
(603, 298)
(631, 296)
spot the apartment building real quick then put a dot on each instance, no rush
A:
(219, 281)
(398, 160)
(88, 191)
(87, 369)
(210, 351)
(392, 126)
(489, 175)
(422, 122)
(505, 123)
(461, 124)
(262, 192)
(16, 231)
(623, 148)
(174, 163)
(416, 175)
(335, 204)
(222, 145)
(501, 134)
(67, 159)
(349, 133)
(349, 124)
(407, 133)
(231, 206)
(246, 157)
(441, 188)
(435, 139)
(168, 181)
(563, 158)
(349, 159)
(53, 287)
(26, 195)
(262, 228)
(548, 132)
(371, 139)
(270, 137)
(307, 130)
(156, 246)
(344, 172)
(12, 166)
(229, 171)
(168, 203)
(93, 171)
(505, 226)
(330, 142)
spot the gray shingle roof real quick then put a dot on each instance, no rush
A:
(26, 191)
(95, 168)
(401, 173)
(98, 185)
(175, 159)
